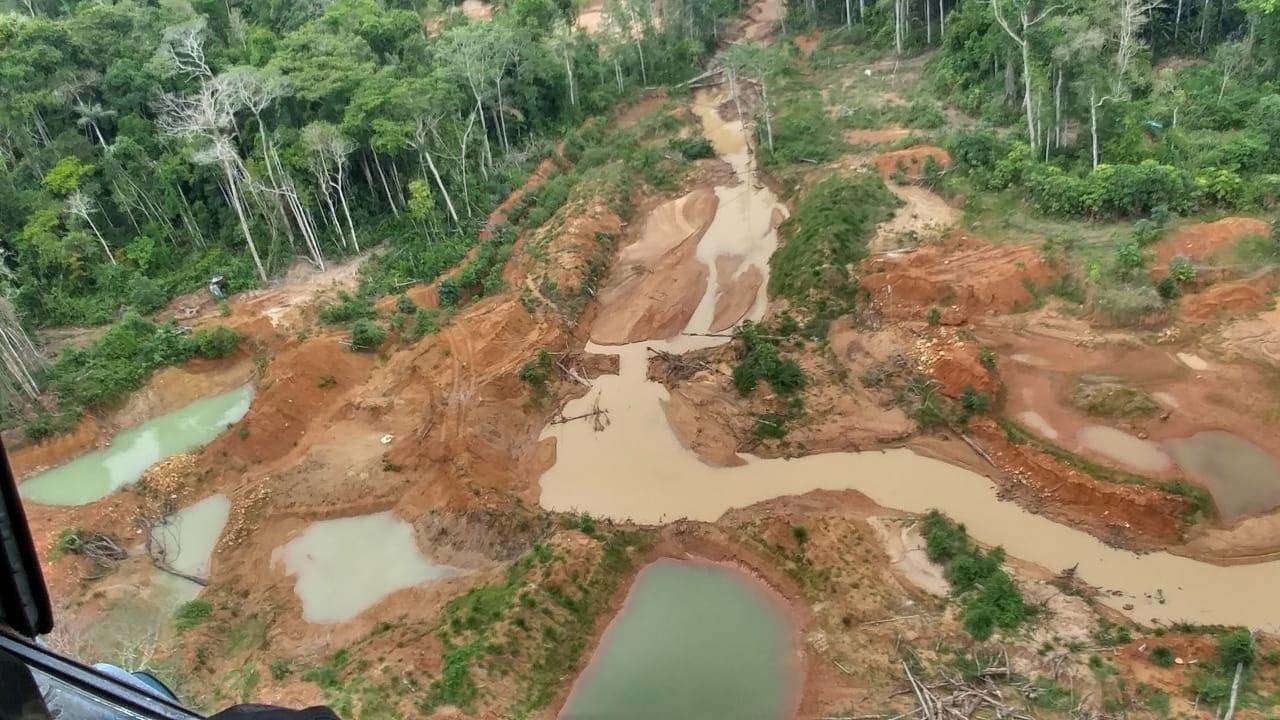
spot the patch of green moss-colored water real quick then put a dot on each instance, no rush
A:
(693, 641)
(95, 475)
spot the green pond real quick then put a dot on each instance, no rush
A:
(95, 475)
(696, 641)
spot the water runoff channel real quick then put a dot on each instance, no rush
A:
(653, 479)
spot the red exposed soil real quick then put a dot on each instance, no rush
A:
(1200, 241)
(963, 277)
(957, 367)
(807, 43)
(876, 137)
(1234, 298)
(1130, 516)
(657, 281)
(911, 160)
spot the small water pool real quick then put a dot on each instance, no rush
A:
(1242, 477)
(346, 566)
(1141, 455)
(188, 537)
(95, 475)
(694, 641)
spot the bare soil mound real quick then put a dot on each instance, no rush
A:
(1229, 298)
(910, 160)
(713, 420)
(963, 277)
(1132, 516)
(807, 43)
(1200, 241)
(657, 281)
(923, 217)
(875, 136)
(1256, 338)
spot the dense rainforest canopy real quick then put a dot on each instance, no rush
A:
(147, 146)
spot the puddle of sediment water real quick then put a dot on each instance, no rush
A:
(693, 641)
(96, 475)
(1036, 423)
(1029, 359)
(637, 469)
(1242, 477)
(743, 225)
(1195, 362)
(347, 565)
(187, 539)
(1124, 448)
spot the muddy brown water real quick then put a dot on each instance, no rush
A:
(1243, 478)
(1125, 449)
(637, 469)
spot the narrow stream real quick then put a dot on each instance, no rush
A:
(97, 474)
(637, 469)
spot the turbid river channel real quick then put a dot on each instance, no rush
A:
(694, 640)
(636, 469)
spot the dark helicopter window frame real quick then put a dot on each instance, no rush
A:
(26, 612)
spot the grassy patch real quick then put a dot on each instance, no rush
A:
(538, 614)
(1108, 397)
(121, 361)
(191, 614)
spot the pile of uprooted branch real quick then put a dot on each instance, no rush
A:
(959, 698)
(599, 417)
(100, 549)
(153, 521)
(670, 367)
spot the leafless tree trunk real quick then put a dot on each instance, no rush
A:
(1025, 22)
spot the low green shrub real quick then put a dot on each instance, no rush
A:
(215, 344)
(990, 598)
(974, 402)
(758, 359)
(1126, 304)
(192, 613)
(693, 148)
(367, 336)
(1162, 656)
(347, 308)
(449, 292)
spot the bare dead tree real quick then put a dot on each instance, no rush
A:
(19, 359)
(83, 207)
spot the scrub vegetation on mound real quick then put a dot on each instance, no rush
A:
(1108, 397)
(988, 595)
(105, 372)
(824, 237)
